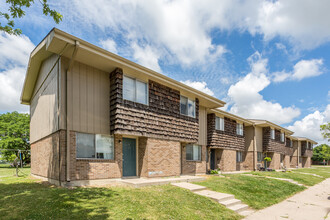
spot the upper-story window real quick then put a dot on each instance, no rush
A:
(272, 134)
(219, 123)
(291, 144)
(187, 107)
(239, 128)
(135, 90)
(282, 137)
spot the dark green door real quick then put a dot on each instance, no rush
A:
(129, 157)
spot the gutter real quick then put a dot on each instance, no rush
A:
(254, 147)
(68, 108)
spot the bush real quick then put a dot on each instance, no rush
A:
(214, 172)
(268, 159)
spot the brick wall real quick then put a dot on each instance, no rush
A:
(193, 167)
(160, 119)
(276, 161)
(247, 163)
(306, 162)
(227, 139)
(45, 156)
(286, 161)
(305, 151)
(294, 162)
(161, 158)
(273, 145)
(225, 159)
(89, 169)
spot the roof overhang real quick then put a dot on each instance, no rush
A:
(265, 123)
(57, 40)
(229, 115)
(304, 139)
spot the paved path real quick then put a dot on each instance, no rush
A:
(313, 203)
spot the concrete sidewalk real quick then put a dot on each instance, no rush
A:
(313, 203)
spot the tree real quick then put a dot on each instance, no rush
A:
(325, 130)
(15, 135)
(16, 10)
(321, 152)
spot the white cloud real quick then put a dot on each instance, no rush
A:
(146, 56)
(246, 100)
(14, 52)
(302, 69)
(201, 86)
(109, 44)
(309, 126)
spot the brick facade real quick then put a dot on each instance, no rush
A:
(276, 161)
(306, 151)
(160, 119)
(247, 163)
(294, 162)
(158, 158)
(91, 169)
(46, 154)
(193, 167)
(227, 139)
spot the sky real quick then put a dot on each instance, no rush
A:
(266, 59)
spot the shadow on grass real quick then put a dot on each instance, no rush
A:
(41, 201)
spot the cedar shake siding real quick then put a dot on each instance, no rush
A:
(227, 139)
(160, 119)
(274, 145)
(306, 151)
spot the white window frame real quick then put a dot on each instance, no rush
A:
(272, 133)
(135, 90)
(219, 123)
(195, 147)
(282, 137)
(95, 147)
(239, 129)
(187, 108)
(239, 156)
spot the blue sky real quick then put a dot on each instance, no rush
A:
(266, 59)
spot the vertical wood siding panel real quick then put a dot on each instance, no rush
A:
(83, 97)
(97, 99)
(75, 98)
(90, 102)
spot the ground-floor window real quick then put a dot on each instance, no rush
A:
(259, 156)
(300, 160)
(193, 152)
(94, 146)
(239, 156)
(282, 158)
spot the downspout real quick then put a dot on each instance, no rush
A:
(68, 125)
(254, 147)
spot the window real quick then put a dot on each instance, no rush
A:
(187, 106)
(272, 133)
(239, 156)
(239, 129)
(193, 152)
(135, 90)
(259, 156)
(291, 143)
(219, 123)
(300, 159)
(94, 146)
(281, 158)
(282, 137)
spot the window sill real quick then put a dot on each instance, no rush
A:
(95, 160)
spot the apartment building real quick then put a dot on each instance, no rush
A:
(96, 115)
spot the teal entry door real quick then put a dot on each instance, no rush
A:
(129, 157)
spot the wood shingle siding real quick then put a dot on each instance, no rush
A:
(160, 119)
(227, 139)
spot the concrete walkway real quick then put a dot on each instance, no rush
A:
(313, 203)
(227, 200)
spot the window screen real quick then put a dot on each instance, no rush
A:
(129, 89)
(187, 106)
(104, 147)
(135, 90)
(193, 152)
(259, 156)
(272, 133)
(85, 145)
(219, 123)
(239, 156)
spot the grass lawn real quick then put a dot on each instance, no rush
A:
(319, 170)
(305, 179)
(256, 192)
(25, 198)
